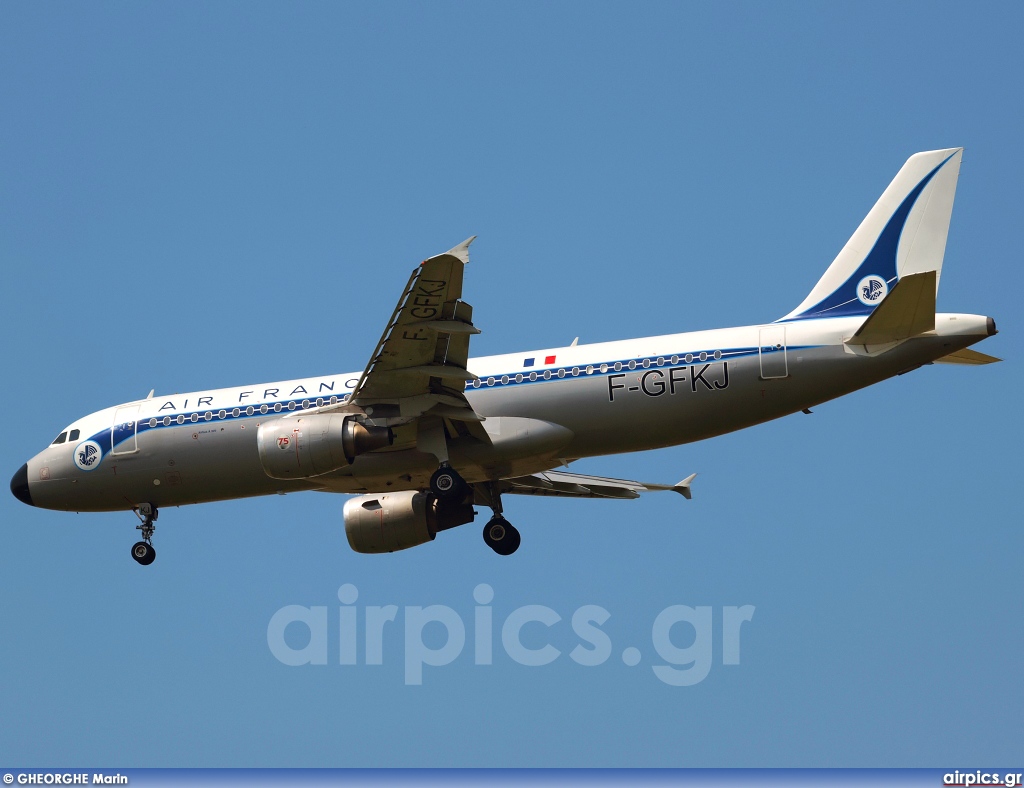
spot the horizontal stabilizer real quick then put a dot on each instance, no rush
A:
(968, 357)
(908, 310)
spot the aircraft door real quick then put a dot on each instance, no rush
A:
(772, 351)
(123, 433)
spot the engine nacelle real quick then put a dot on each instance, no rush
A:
(303, 446)
(394, 521)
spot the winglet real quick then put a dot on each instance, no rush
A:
(683, 488)
(462, 250)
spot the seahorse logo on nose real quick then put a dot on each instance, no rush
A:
(88, 455)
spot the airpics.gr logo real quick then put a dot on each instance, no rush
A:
(871, 290)
(88, 455)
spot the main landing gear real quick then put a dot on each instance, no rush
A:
(499, 534)
(143, 551)
(446, 483)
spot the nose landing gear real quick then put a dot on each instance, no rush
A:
(143, 551)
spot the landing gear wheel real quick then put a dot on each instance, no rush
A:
(447, 484)
(501, 536)
(144, 553)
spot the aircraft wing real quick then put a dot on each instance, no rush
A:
(419, 365)
(425, 346)
(576, 485)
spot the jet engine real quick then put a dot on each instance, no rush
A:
(305, 446)
(394, 521)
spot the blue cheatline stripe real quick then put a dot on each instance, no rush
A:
(598, 369)
(608, 367)
(115, 436)
(880, 261)
(119, 433)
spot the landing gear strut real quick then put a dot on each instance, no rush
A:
(499, 534)
(447, 484)
(143, 551)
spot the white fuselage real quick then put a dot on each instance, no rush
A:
(597, 399)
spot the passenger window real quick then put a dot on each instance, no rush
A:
(73, 436)
(60, 438)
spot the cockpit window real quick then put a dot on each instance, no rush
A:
(60, 438)
(74, 435)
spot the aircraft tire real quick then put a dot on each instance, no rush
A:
(501, 536)
(446, 483)
(143, 553)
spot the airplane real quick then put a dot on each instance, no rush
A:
(424, 433)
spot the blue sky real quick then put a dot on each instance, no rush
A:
(194, 196)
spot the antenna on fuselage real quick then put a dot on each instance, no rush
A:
(574, 342)
(151, 393)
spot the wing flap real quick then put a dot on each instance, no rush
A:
(441, 371)
(576, 485)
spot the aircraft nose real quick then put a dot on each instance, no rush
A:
(19, 485)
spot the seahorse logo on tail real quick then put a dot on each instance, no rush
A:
(872, 289)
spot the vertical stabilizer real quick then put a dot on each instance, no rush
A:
(904, 233)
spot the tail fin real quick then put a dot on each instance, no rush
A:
(905, 233)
